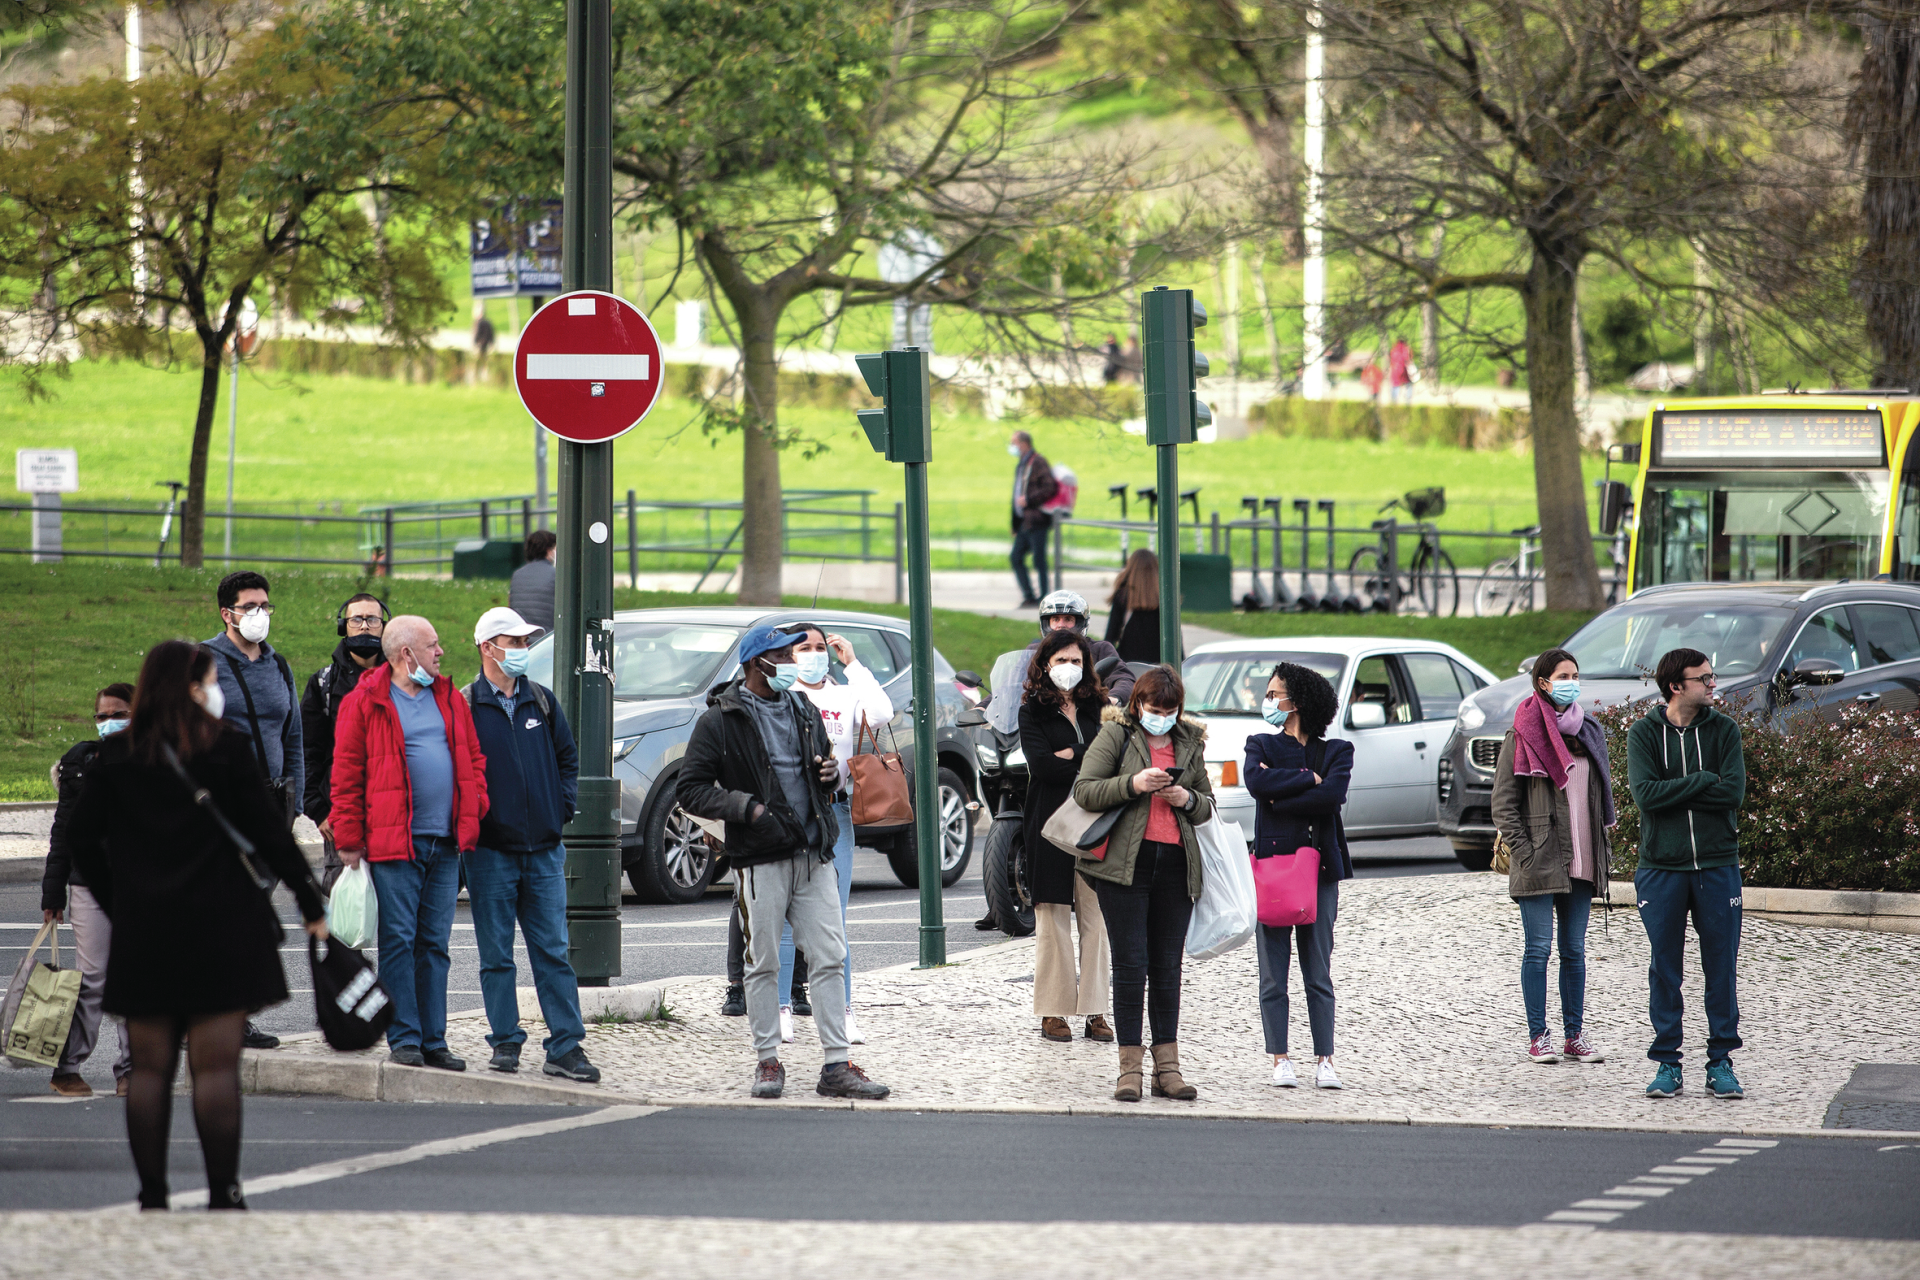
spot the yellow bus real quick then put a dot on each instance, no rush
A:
(1800, 486)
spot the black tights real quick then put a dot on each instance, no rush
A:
(1147, 932)
(213, 1058)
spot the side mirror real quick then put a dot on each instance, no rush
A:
(1816, 672)
(1107, 665)
(971, 718)
(968, 678)
(1526, 665)
(1615, 497)
(1366, 715)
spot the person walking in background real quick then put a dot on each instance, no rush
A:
(359, 624)
(1033, 486)
(64, 896)
(1553, 804)
(1059, 719)
(195, 945)
(519, 869)
(1114, 362)
(1133, 609)
(1689, 777)
(1298, 780)
(1150, 760)
(1400, 372)
(409, 790)
(256, 687)
(530, 590)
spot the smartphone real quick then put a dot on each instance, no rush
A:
(1174, 773)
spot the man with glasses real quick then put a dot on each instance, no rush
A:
(256, 693)
(361, 622)
(1689, 777)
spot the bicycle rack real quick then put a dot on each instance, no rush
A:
(1333, 601)
(1257, 599)
(1309, 600)
(1282, 594)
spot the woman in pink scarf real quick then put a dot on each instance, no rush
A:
(1553, 803)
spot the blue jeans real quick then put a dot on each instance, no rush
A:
(530, 888)
(843, 867)
(1537, 912)
(1025, 542)
(1712, 899)
(416, 901)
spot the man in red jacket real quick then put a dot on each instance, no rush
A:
(409, 790)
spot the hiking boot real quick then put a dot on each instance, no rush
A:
(844, 1080)
(1581, 1049)
(1097, 1029)
(255, 1038)
(735, 1005)
(1056, 1029)
(1167, 1080)
(573, 1065)
(1666, 1081)
(444, 1059)
(506, 1058)
(801, 1006)
(407, 1055)
(769, 1079)
(1721, 1082)
(1127, 1087)
(1540, 1049)
(68, 1084)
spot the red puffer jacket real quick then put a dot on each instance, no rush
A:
(372, 795)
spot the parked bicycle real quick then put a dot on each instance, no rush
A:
(1429, 579)
(1509, 584)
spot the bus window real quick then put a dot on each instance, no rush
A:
(1755, 528)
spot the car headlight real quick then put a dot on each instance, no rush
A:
(1471, 716)
(623, 747)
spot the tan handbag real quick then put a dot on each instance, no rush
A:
(881, 797)
(1502, 855)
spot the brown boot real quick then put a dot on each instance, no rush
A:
(1097, 1029)
(1056, 1029)
(1167, 1082)
(1127, 1087)
(70, 1085)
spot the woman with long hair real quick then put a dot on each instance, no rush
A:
(1059, 718)
(1133, 618)
(1150, 761)
(1298, 779)
(1553, 803)
(196, 940)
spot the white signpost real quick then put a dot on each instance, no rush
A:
(46, 474)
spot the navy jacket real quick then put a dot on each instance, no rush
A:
(533, 767)
(1290, 806)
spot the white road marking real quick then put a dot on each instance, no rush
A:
(1637, 1191)
(1581, 1215)
(1663, 1179)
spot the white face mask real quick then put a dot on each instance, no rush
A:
(812, 664)
(1065, 676)
(216, 700)
(253, 627)
(1014, 449)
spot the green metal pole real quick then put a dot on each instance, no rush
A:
(926, 768)
(583, 585)
(1167, 480)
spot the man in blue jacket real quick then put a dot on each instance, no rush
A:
(519, 869)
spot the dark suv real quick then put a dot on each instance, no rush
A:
(1777, 647)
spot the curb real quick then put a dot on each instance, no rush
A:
(28, 806)
(1868, 910)
(23, 870)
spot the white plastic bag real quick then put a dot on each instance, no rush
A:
(353, 912)
(1227, 911)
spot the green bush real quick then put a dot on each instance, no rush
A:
(1111, 403)
(1454, 426)
(1829, 805)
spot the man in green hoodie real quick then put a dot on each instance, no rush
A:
(1688, 777)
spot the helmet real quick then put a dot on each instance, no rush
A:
(1064, 602)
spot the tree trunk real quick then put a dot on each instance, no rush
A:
(761, 540)
(193, 516)
(1572, 580)
(1430, 314)
(1273, 141)
(1884, 121)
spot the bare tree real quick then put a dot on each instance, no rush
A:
(1883, 124)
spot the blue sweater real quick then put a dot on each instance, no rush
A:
(533, 767)
(1290, 805)
(275, 705)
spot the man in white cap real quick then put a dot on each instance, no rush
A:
(518, 870)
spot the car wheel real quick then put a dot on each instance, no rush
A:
(673, 862)
(1004, 870)
(1474, 857)
(955, 827)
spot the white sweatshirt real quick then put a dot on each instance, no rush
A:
(842, 705)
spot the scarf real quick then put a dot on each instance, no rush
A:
(1540, 749)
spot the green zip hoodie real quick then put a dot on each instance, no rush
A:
(1688, 784)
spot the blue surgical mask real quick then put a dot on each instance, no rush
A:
(107, 728)
(421, 678)
(1156, 724)
(514, 661)
(1272, 713)
(812, 665)
(1014, 449)
(784, 674)
(1563, 692)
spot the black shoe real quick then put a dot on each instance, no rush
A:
(801, 1007)
(986, 923)
(573, 1065)
(255, 1038)
(506, 1058)
(227, 1197)
(844, 1080)
(407, 1055)
(444, 1059)
(735, 1005)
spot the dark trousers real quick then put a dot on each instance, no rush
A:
(1711, 898)
(737, 953)
(1147, 930)
(1025, 542)
(1275, 951)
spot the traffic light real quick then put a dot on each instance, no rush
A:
(902, 428)
(1168, 319)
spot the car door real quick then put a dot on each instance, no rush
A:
(1887, 638)
(1827, 635)
(1439, 684)
(1393, 778)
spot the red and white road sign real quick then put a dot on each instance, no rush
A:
(588, 366)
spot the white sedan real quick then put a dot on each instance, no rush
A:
(1397, 697)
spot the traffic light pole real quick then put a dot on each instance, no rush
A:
(583, 580)
(1166, 461)
(929, 839)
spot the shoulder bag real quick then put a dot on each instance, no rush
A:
(1083, 832)
(878, 780)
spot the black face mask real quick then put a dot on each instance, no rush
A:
(363, 646)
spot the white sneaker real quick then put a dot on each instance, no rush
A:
(1323, 1077)
(853, 1029)
(786, 1025)
(1283, 1077)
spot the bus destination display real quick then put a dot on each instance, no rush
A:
(1755, 437)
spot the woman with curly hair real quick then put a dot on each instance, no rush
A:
(1298, 779)
(1059, 717)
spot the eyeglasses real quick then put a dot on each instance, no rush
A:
(1709, 679)
(248, 610)
(370, 622)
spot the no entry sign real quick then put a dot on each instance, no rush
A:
(588, 366)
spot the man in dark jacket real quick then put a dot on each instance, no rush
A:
(519, 870)
(360, 624)
(1689, 777)
(1033, 487)
(530, 590)
(760, 761)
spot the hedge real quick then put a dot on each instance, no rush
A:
(1457, 426)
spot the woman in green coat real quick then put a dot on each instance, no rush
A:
(1148, 760)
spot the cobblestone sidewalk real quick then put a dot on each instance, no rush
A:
(1430, 1027)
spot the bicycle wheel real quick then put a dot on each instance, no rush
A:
(1365, 581)
(1436, 583)
(1500, 589)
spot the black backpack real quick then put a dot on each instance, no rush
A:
(353, 1008)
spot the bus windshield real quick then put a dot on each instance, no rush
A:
(1761, 527)
(1626, 643)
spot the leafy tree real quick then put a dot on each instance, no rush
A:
(132, 215)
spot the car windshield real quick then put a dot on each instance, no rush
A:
(1233, 684)
(655, 659)
(1626, 643)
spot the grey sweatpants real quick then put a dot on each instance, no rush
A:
(92, 935)
(804, 893)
